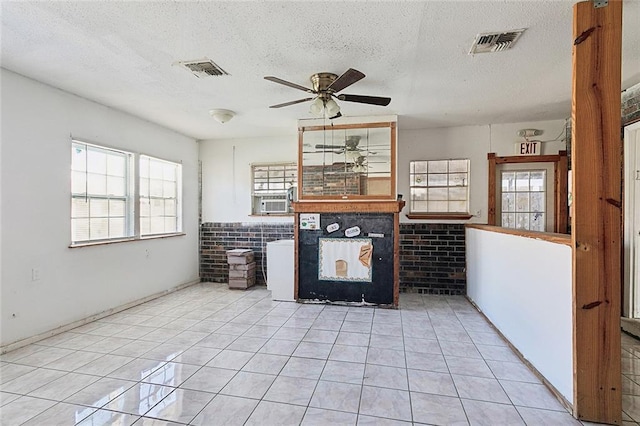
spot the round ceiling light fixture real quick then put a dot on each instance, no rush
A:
(222, 115)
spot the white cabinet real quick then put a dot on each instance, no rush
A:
(280, 270)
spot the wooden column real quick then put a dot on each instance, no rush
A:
(491, 209)
(561, 168)
(597, 199)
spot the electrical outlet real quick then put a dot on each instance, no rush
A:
(35, 274)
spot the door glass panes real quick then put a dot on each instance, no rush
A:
(439, 186)
(524, 199)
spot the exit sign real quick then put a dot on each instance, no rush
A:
(528, 148)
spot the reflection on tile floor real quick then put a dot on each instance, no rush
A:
(206, 355)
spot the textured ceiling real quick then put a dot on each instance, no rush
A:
(122, 54)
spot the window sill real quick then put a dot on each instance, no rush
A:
(439, 216)
(272, 215)
(125, 240)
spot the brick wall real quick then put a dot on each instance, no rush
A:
(432, 256)
(330, 180)
(217, 238)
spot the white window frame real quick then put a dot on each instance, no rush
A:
(515, 191)
(132, 196)
(127, 197)
(422, 185)
(176, 197)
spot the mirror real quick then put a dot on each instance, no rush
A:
(347, 161)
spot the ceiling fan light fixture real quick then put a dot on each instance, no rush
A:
(317, 106)
(222, 115)
(359, 168)
(332, 108)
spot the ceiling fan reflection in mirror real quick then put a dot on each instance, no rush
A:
(325, 87)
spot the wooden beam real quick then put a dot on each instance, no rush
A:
(561, 168)
(596, 222)
(514, 159)
(491, 209)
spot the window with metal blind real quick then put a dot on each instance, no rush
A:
(439, 186)
(101, 193)
(160, 196)
(271, 184)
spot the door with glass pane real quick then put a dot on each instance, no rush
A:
(526, 196)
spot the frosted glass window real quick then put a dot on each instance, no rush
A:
(272, 182)
(439, 186)
(524, 199)
(160, 196)
(100, 193)
(273, 179)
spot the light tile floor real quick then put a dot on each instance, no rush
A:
(206, 355)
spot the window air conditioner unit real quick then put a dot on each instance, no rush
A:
(274, 204)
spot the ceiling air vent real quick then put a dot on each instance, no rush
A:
(203, 68)
(495, 42)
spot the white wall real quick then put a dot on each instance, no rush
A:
(37, 121)
(226, 175)
(474, 143)
(524, 287)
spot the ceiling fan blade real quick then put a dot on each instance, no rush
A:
(373, 100)
(290, 103)
(349, 77)
(338, 115)
(332, 147)
(288, 83)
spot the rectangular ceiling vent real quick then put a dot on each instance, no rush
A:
(495, 42)
(203, 68)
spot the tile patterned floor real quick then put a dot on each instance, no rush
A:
(206, 355)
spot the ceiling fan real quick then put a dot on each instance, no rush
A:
(350, 144)
(326, 87)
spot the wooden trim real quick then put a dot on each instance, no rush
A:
(514, 159)
(542, 236)
(347, 126)
(562, 194)
(300, 139)
(491, 210)
(439, 216)
(560, 167)
(596, 219)
(394, 160)
(354, 207)
(350, 197)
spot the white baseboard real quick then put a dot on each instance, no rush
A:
(29, 340)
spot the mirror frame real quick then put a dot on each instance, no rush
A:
(349, 197)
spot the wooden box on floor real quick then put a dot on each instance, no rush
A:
(242, 268)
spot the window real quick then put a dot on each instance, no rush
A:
(101, 204)
(159, 196)
(272, 185)
(439, 186)
(524, 199)
(104, 203)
